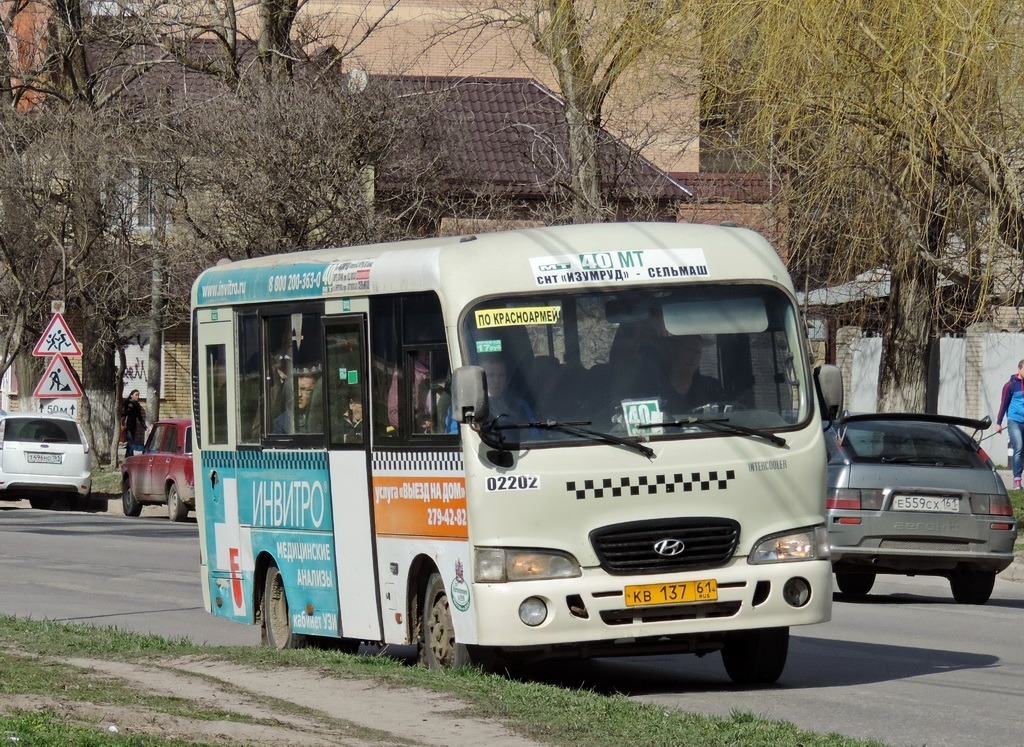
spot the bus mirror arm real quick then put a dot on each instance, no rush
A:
(828, 384)
(469, 395)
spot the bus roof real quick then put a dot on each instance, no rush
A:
(558, 257)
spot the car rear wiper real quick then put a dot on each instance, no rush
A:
(930, 461)
(574, 428)
(722, 424)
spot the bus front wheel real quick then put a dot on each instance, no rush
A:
(756, 657)
(277, 622)
(438, 647)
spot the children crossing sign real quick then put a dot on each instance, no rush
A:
(57, 339)
(59, 380)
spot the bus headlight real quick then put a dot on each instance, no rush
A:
(809, 543)
(496, 565)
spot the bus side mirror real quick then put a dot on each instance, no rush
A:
(829, 381)
(469, 394)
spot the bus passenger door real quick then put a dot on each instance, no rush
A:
(226, 558)
(348, 457)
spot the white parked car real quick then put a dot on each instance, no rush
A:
(43, 457)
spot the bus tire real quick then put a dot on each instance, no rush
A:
(129, 503)
(177, 509)
(277, 622)
(437, 644)
(756, 657)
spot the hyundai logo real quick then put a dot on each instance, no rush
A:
(669, 547)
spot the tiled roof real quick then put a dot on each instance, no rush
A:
(511, 133)
(507, 134)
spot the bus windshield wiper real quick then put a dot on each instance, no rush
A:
(574, 428)
(721, 424)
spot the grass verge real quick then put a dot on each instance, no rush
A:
(547, 714)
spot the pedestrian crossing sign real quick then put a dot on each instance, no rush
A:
(59, 380)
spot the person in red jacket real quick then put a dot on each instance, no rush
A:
(1011, 405)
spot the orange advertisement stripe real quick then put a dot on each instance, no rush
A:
(417, 506)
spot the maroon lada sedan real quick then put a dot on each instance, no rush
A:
(162, 471)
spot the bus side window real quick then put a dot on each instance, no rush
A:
(293, 393)
(431, 385)
(345, 384)
(411, 368)
(249, 379)
(217, 404)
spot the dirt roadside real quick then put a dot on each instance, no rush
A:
(276, 708)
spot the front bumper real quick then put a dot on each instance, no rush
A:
(909, 542)
(590, 611)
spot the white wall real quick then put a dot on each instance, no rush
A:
(867, 359)
(952, 399)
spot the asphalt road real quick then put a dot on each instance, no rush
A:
(137, 574)
(907, 665)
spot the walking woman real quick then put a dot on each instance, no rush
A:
(1011, 405)
(134, 419)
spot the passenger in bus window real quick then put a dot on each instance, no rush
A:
(280, 397)
(352, 420)
(309, 417)
(431, 373)
(503, 403)
(688, 388)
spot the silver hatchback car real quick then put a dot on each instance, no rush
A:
(43, 457)
(914, 494)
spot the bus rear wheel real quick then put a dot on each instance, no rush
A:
(277, 622)
(756, 657)
(438, 647)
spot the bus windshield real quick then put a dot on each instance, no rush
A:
(658, 363)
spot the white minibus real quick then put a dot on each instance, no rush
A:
(582, 440)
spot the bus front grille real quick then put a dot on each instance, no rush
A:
(665, 545)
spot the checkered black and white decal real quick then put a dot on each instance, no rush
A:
(678, 482)
(417, 462)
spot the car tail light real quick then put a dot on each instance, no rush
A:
(85, 441)
(985, 458)
(992, 504)
(853, 499)
(189, 478)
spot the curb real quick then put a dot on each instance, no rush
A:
(1014, 571)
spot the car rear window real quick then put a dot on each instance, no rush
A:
(41, 430)
(908, 443)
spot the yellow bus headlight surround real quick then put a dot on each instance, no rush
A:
(809, 543)
(498, 565)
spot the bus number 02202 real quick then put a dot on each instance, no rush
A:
(512, 482)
